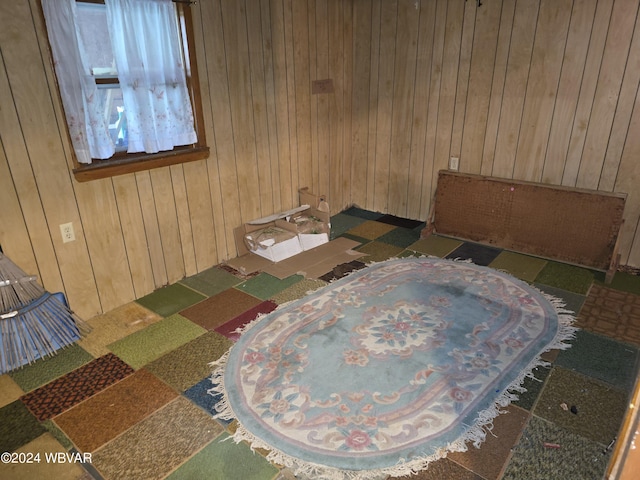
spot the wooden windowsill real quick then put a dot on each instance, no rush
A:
(138, 163)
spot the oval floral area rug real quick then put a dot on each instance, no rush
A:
(388, 369)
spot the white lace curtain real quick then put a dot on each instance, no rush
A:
(146, 47)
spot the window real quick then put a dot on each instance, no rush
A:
(127, 78)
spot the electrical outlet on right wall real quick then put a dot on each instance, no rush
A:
(454, 163)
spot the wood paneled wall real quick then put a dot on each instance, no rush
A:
(535, 90)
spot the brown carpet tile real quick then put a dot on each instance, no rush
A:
(488, 461)
(106, 415)
(158, 444)
(64, 392)
(443, 469)
(219, 309)
(187, 365)
(611, 312)
(230, 328)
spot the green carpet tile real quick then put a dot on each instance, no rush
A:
(400, 237)
(435, 246)
(211, 281)
(370, 229)
(151, 343)
(103, 417)
(602, 358)
(567, 277)
(157, 445)
(572, 301)
(44, 370)
(360, 213)
(265, 286)
(378, 252)
(527, 400)
(297, 290)
(600, 407)
(223, 459)
(341, 223)
(187, 365)
(443, 469)
(576, 458)
(521, 266)
(171, 299)
(622, 281)
(17, 426)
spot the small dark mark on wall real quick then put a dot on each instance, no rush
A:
(322, 86)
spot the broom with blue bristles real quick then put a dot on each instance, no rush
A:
(33, 322)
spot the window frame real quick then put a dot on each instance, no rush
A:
(122, 163)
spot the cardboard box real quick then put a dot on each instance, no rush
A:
(314, 223)
(274, 241)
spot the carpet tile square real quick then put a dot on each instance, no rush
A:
(211, 281)
(572, 301)
(400, 237)
(298, 290)
(223, 459)
(567, 277)
(151, 343)
(219, 309)
(342, 223)
(574, 458)
(9, 390)
(230, 328)
(370, 229)
(488, 460)
(477, 253)
(199, 394)
(18, 426)
(158, 444)
(360, 213)
(612, 312)
(265, 286)
(187, 365)
(443, 469)
(623, 281)
(72, 388)
(342, 270)
(114, 325)
(589, 397)
(400, 222)
(103, 417)
(435, 246)
(46, 369)
(171, 299)
(378, 252)
(603, 358)
(521, 266)
(526, 400)
(44, 445)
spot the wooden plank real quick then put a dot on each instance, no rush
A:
(134, 234)
(497, 86)
(429, 176)
(36, 117)
(347, 98)
(256, 40)
(384, 110)
(620, 128)
(229, 198)
(482, 68)
(426, 28)
(323, 118)
(448, 85)
(183, 215)
(312, 27)
(103, 233)
(211, 172)
(374, 99)
(289, 71)
(336, 105)
(402, 115)
(588, 85)
(615, 59)
(542, 88)
(582, 17)
(522, 37)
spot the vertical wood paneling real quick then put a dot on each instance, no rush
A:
(542, 87)
(537, 89)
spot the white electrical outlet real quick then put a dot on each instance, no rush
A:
(454, 163)
(68, 235)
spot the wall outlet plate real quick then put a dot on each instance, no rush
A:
(454, 163)
(66, 230)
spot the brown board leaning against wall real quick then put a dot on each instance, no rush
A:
(567, 224)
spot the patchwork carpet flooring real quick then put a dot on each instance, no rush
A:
(133, 394)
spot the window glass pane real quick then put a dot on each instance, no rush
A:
(94, 36)
(111, 98)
